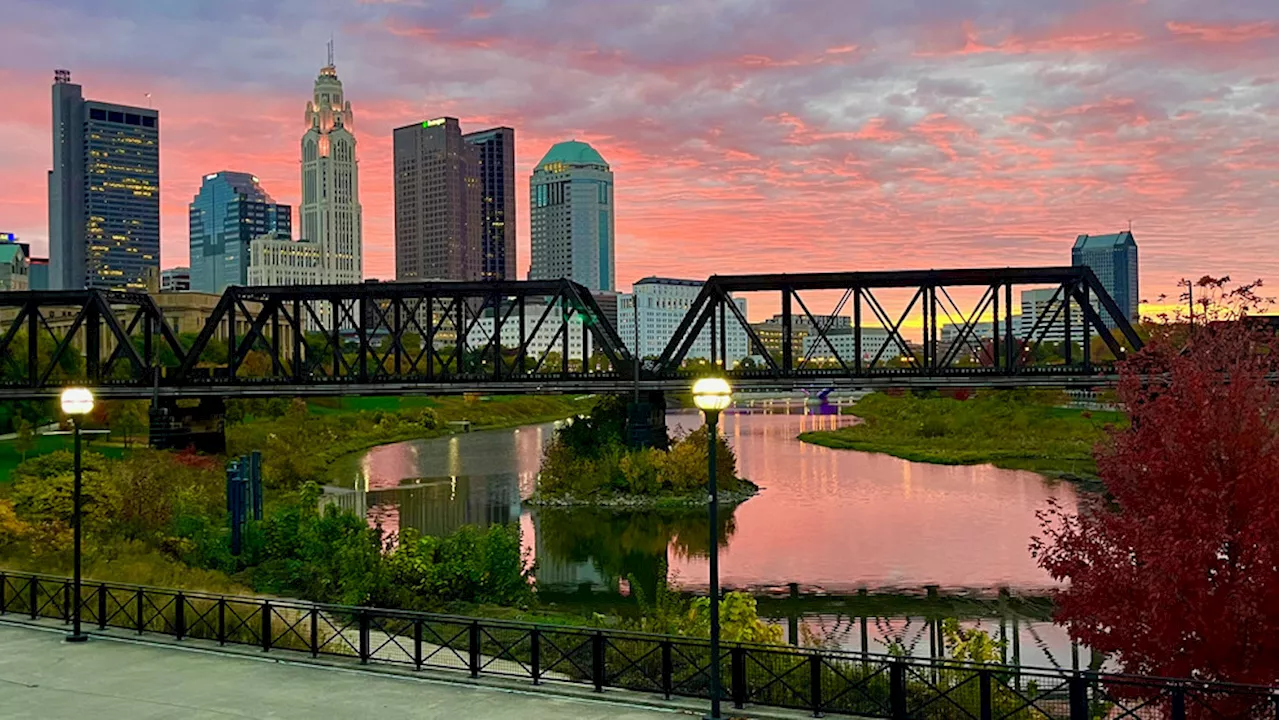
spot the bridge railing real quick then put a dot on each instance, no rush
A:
(820, 681)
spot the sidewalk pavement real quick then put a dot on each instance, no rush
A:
(41, 676)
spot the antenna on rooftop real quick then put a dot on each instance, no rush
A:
(330, 47)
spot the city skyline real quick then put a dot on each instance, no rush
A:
(808, 142)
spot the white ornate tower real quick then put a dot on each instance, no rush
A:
(330, 181)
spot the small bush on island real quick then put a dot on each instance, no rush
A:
(588, 461)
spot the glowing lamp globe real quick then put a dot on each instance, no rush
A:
(77, 401)
(712, 394)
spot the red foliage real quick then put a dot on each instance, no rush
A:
(1175, 572)
(193, 459)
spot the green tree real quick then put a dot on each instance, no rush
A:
(127, 419)
(26, 440)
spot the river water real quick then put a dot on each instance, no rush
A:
(832, 522)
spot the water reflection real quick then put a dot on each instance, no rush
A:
(826, 519)
(833, 522)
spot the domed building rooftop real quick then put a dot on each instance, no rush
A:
(572, 152)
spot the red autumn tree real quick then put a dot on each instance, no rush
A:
(1173, 572)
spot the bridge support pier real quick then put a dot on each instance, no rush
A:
(647, 420)
(177, 424)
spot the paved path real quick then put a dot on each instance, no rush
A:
(43, 677)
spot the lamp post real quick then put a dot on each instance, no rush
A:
(712, 395)
(76, 402)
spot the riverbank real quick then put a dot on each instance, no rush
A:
(744, 491)
(305, 441)
(1014, 430)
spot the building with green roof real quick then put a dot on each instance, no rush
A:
(571, 217)
(14, 273)
(1114, 259)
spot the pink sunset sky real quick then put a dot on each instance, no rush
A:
(745, 135)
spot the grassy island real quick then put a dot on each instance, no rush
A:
(589, 463)
(1013, 429)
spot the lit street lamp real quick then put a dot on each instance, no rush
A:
(76, 402)
(712, 395)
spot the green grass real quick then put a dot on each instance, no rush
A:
(1009, 429)
(10, 458)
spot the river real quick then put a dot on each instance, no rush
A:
(835, 523)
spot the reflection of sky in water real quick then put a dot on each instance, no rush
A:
(829, 519)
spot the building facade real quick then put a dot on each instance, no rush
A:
(438, 200)
(871, 343)
(497, 170)
(231, 209)
(104, 192)
(1114, 259)
(659, 305)
(545, 338)
(571, 217)
(330, 210)
(14, 267)
(279, 260)
(176, 279)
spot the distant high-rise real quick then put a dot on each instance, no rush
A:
(438, 202)
(571, 212)
(230, 210)
(104, 192)
(497, 148)
(176, 279)
(330, 210)
(1114, 259)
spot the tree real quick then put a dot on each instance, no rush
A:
(26, 440)
(1174, 571)
(128, 418)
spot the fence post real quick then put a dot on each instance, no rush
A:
(535, 654)
(4, 584)
(102, 606)
(597, 660)
(364, 637)
(898, 689)
(417, 644)
(666, 669)
(179, 617)
(33, 590)
(1079, 694)
(815, 683)
(984, 694)
(222, 621)
(138, 618)
(67, 602)
(266, 625)
(473, 648)
(315, 631)
(738, 675)
(1178, 705)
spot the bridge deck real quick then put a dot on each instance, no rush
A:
(110, 679)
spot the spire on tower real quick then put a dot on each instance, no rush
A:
(330, 47)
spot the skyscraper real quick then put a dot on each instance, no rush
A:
(230, 210)
(330, 208)
(104, 192)
(1114, 259)
(438, 199)
(571, 201)
(497, 148)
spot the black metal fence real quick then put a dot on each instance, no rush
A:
(820, 681)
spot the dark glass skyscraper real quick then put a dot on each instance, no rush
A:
(104, 192)
(497, 148)
(438, 199)
(230, 210)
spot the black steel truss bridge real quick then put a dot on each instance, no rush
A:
(915, 328)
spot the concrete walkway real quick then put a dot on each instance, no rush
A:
(108, 679)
